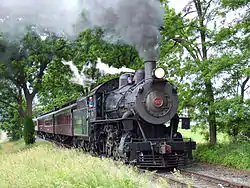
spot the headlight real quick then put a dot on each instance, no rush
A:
(159, 73)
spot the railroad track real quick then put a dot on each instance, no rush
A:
(213, 181)
(186, 178)
(174, 181)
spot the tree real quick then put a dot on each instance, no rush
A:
(57, 88)
(235, 112)
(91, 46)
(23, 66)
(235, 4)
(193, 56)
(84, 51)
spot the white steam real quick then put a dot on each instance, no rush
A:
(78, 77)
(109, 69)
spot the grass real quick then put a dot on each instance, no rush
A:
(231, 154)
(199, 138)
(226, 152)
(10, 147)
(43, 165)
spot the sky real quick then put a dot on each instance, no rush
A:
(178, 5)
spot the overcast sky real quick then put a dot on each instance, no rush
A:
(178, 5)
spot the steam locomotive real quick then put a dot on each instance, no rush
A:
(132, 118)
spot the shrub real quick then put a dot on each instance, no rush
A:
(232, 154)
(12, 125)
(29, 131)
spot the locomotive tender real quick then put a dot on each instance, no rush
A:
(124, 118)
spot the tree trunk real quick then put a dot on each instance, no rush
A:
(29, 106)
(208, 82)
(211, 113)
(29, 100)
(20, 103)
(243, 89)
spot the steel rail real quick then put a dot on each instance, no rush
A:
(213, 180)
(174, 182)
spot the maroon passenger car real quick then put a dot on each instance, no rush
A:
(58, 122)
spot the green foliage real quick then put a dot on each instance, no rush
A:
(234, 4)
(9, 94)
(29, 131)
(24, 64)
(209, 62)
(235, 116)
(89, 46)
(57, 89)
(12, 124)
(232, 154)
(47, 166)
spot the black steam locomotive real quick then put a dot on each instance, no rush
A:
(132, 118)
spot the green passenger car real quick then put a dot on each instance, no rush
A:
(80, 118)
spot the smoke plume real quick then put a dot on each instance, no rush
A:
(134, 22)
(57, 16)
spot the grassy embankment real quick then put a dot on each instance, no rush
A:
(44, 165)
(226, 152)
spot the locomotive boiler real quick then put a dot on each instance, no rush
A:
(132, 118)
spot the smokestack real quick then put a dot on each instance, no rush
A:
(149, 66)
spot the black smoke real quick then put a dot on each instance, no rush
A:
(135, 22)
